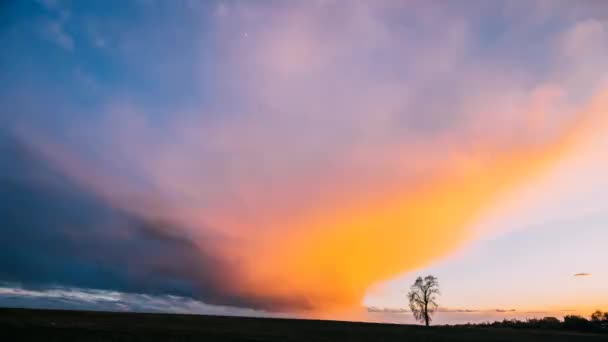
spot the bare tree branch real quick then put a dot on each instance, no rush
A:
(422, 298)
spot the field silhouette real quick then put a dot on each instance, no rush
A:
(63, 325)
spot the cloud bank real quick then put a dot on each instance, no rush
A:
(335, 145)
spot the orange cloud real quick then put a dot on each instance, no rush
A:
(582, 274)
(329, 259)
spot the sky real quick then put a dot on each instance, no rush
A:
(304, 158)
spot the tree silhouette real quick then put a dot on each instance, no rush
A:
(576, 322)
(599, 317)
(422, 296)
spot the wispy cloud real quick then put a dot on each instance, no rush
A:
(54, 28)
(55, 31)
(582, 274)
(90, 299)
(49, 4)
(441, 309)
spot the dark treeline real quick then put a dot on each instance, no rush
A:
(598, 322)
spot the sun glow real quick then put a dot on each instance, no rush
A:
(331, 258)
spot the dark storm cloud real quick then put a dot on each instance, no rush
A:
(55, 233)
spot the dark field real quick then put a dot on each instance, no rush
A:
(49, 325)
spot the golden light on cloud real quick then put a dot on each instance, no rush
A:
(332, 257)
(323, 258)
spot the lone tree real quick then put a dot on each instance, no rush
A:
(422, 296)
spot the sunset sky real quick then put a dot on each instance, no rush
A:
(305, 158)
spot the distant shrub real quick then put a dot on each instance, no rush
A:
(598, 323)
(543, 323)
(550, 323)
(599, 317)
(575, 322)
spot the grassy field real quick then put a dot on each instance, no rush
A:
(52, 325)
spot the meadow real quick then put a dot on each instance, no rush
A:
(63, 325)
